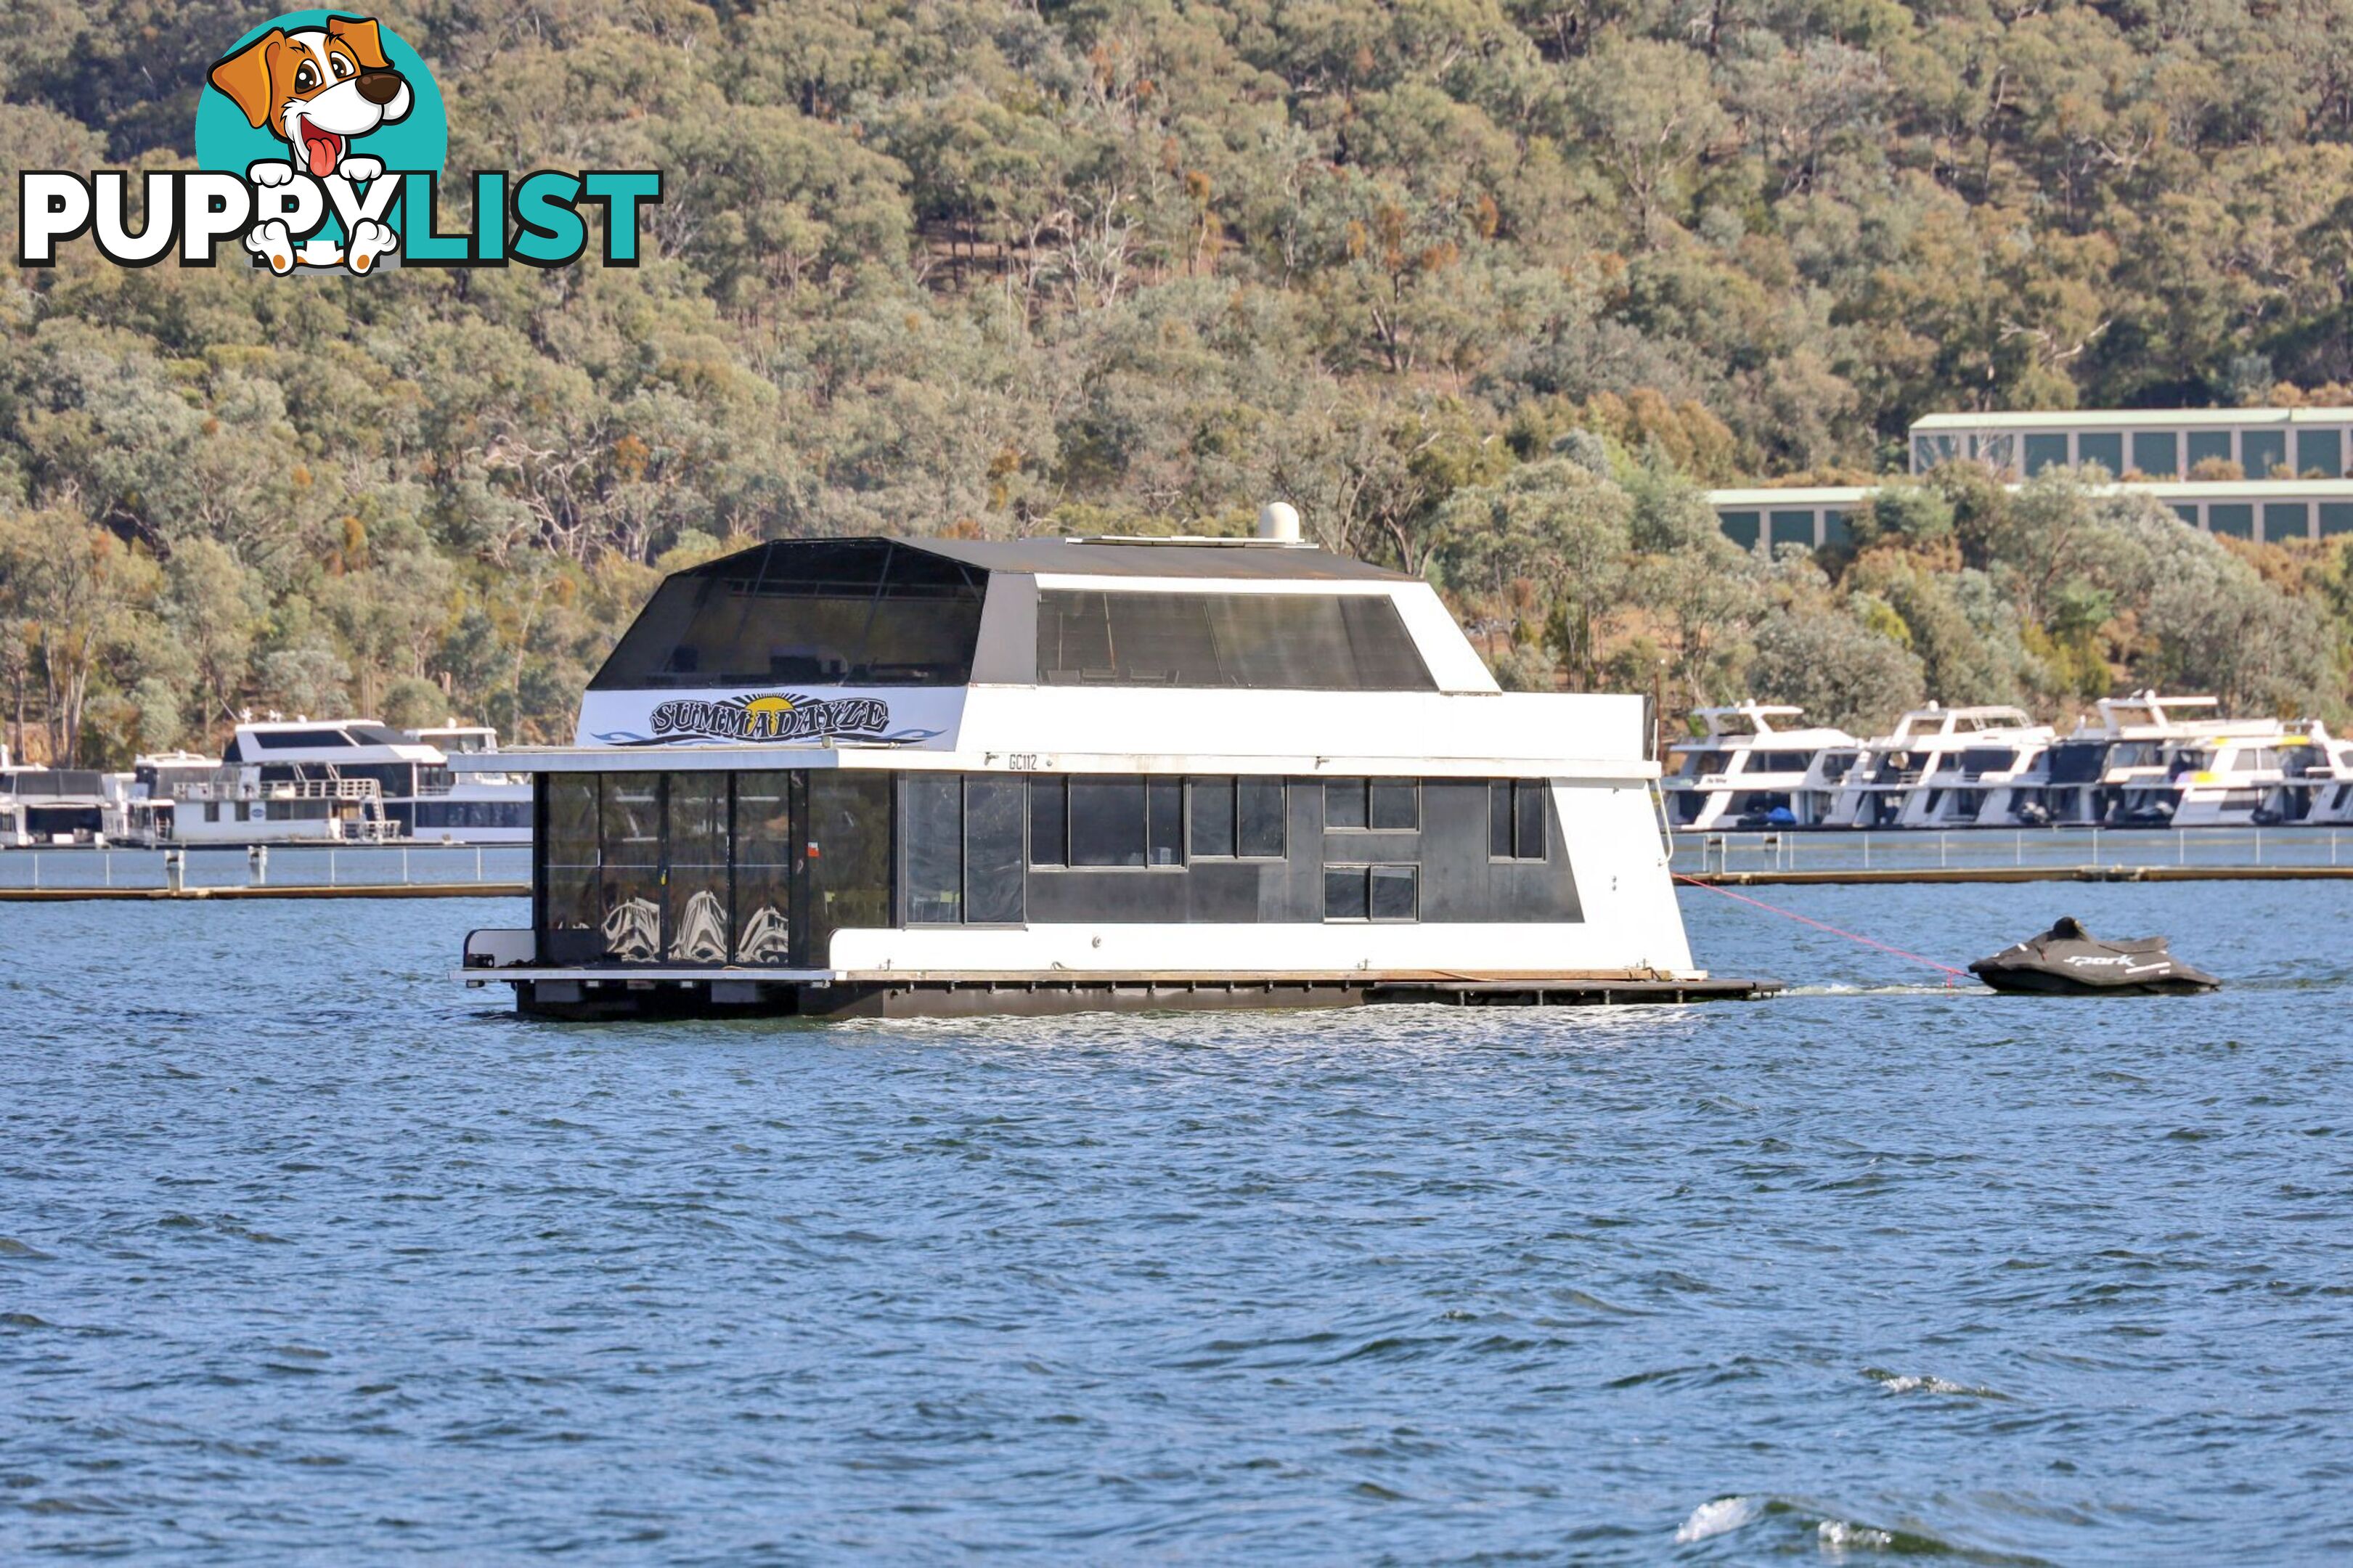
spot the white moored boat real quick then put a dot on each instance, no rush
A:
(2235, 775)
(842, 776)
(1754, 766)
(1935, 768)
(482, 806)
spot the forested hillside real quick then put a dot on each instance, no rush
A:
(1486, 287)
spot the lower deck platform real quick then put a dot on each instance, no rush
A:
(629, 993)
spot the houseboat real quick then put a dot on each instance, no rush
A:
(1908, 778)
(1752, 767)
(41, 807)
(876, 776)
(480, 806)
(2234, 776)
(344, 780)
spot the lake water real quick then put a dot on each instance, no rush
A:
(306, 1254)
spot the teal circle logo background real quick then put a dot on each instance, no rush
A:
(225, 141)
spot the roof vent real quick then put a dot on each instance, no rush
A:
(1278, 520)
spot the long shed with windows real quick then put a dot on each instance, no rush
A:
(2273, 511)
(2152, 444)
(889, 775)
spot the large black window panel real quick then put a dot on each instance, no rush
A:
(1107, 826)
(1346, 803)
(935, 829)
(993, 870)
(849, 855)
(1213, 818)
(763, 852)
(1346, 893)
(813, 612)
(1163, 812)
(1397, 806)
(1259, 813)
(567, 851)
(1515, 819)
(629, 849)
(1049, 822)
(1396, 894)
(694, 914)
(1299, 642)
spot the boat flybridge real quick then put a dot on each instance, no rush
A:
(1936, 767)
(883, 776)
(1753, 766)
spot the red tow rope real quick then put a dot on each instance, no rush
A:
(1820, 925)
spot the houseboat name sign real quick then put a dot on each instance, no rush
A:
(773, 718)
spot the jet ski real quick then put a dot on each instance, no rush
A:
(2068, 961)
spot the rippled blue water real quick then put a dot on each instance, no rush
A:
(306, 1254)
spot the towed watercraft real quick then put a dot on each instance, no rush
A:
(2068, 961)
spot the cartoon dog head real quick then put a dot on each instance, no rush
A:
(316, 87)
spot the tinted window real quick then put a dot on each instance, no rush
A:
(1107, 826)
(1515, 819)
(1397, 892)
(2261, 451)
(1347, 802)
(992, 851)
(2104, 447)
(1213, 818)
(1315, 642)
(934, 833)
(848, 855)
(1164, 813)
(567, 852)
(764, 850)
(815, 612)
(1397, 806)
(1372, 892)
(2320, 450)
(299, 740)
(2236, 519)
(1049, 822)
(2154, 453)
(1259, 813)
(694, 915)
(1347, 894)
(2047, 451)
(2208, 446)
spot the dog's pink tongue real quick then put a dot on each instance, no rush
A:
(321, 153)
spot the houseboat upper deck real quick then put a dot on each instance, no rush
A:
(884, 776)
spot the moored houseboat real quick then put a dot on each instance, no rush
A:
(1752, 765)
(878, 776)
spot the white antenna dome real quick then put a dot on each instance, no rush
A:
(1278, 520)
